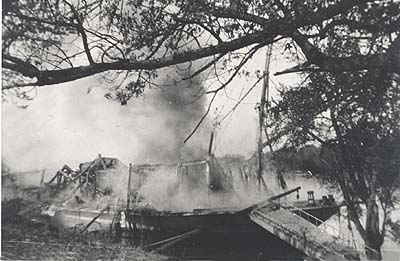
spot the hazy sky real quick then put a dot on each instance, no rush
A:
(65, 124)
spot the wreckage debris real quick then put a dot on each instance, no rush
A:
(87, 178)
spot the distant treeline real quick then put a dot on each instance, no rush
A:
(317, 160)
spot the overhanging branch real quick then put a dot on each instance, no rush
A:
(271, 28)
(48, 77)
(389, 61)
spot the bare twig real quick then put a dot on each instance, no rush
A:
(202, 118)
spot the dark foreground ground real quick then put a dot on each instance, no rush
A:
(28, 235)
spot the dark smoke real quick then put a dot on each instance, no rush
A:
(179, 105)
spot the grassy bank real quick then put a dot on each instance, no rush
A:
(28, 235)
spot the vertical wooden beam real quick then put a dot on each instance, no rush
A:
(42, 178)
(241, 176)
(245, 178)
(179, 177)
(211, 144)
(128, 198)
(208, 177)
(186, 178)
(262, 115)
(87, 179)
(103, 164)
(94, 184)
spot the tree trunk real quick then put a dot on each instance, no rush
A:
(371, 235)
(374, 239)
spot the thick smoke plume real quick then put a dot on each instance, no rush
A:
(68, 125)
(178, 105)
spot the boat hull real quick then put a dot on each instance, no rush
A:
(76, 218)
(176, 223)
(227, 235)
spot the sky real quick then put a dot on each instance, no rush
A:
(64, 124)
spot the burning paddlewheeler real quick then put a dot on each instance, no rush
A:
(201, 186)
(206, 183)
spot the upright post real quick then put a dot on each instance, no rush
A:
(42, 178)
(211, 144)
(208, 179)
(128, 198)
(94, 184)
(261, 115)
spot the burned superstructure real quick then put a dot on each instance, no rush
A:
(203, 183)
(206, 176)
(167, 205)
(91, 176)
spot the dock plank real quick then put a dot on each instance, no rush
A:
(302, 234)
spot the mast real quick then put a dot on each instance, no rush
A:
(264, 107)
(261, 115)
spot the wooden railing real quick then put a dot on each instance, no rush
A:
(301, 237)
(325, 227)
(315, 221)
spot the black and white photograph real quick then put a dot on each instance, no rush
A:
(188, 130)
